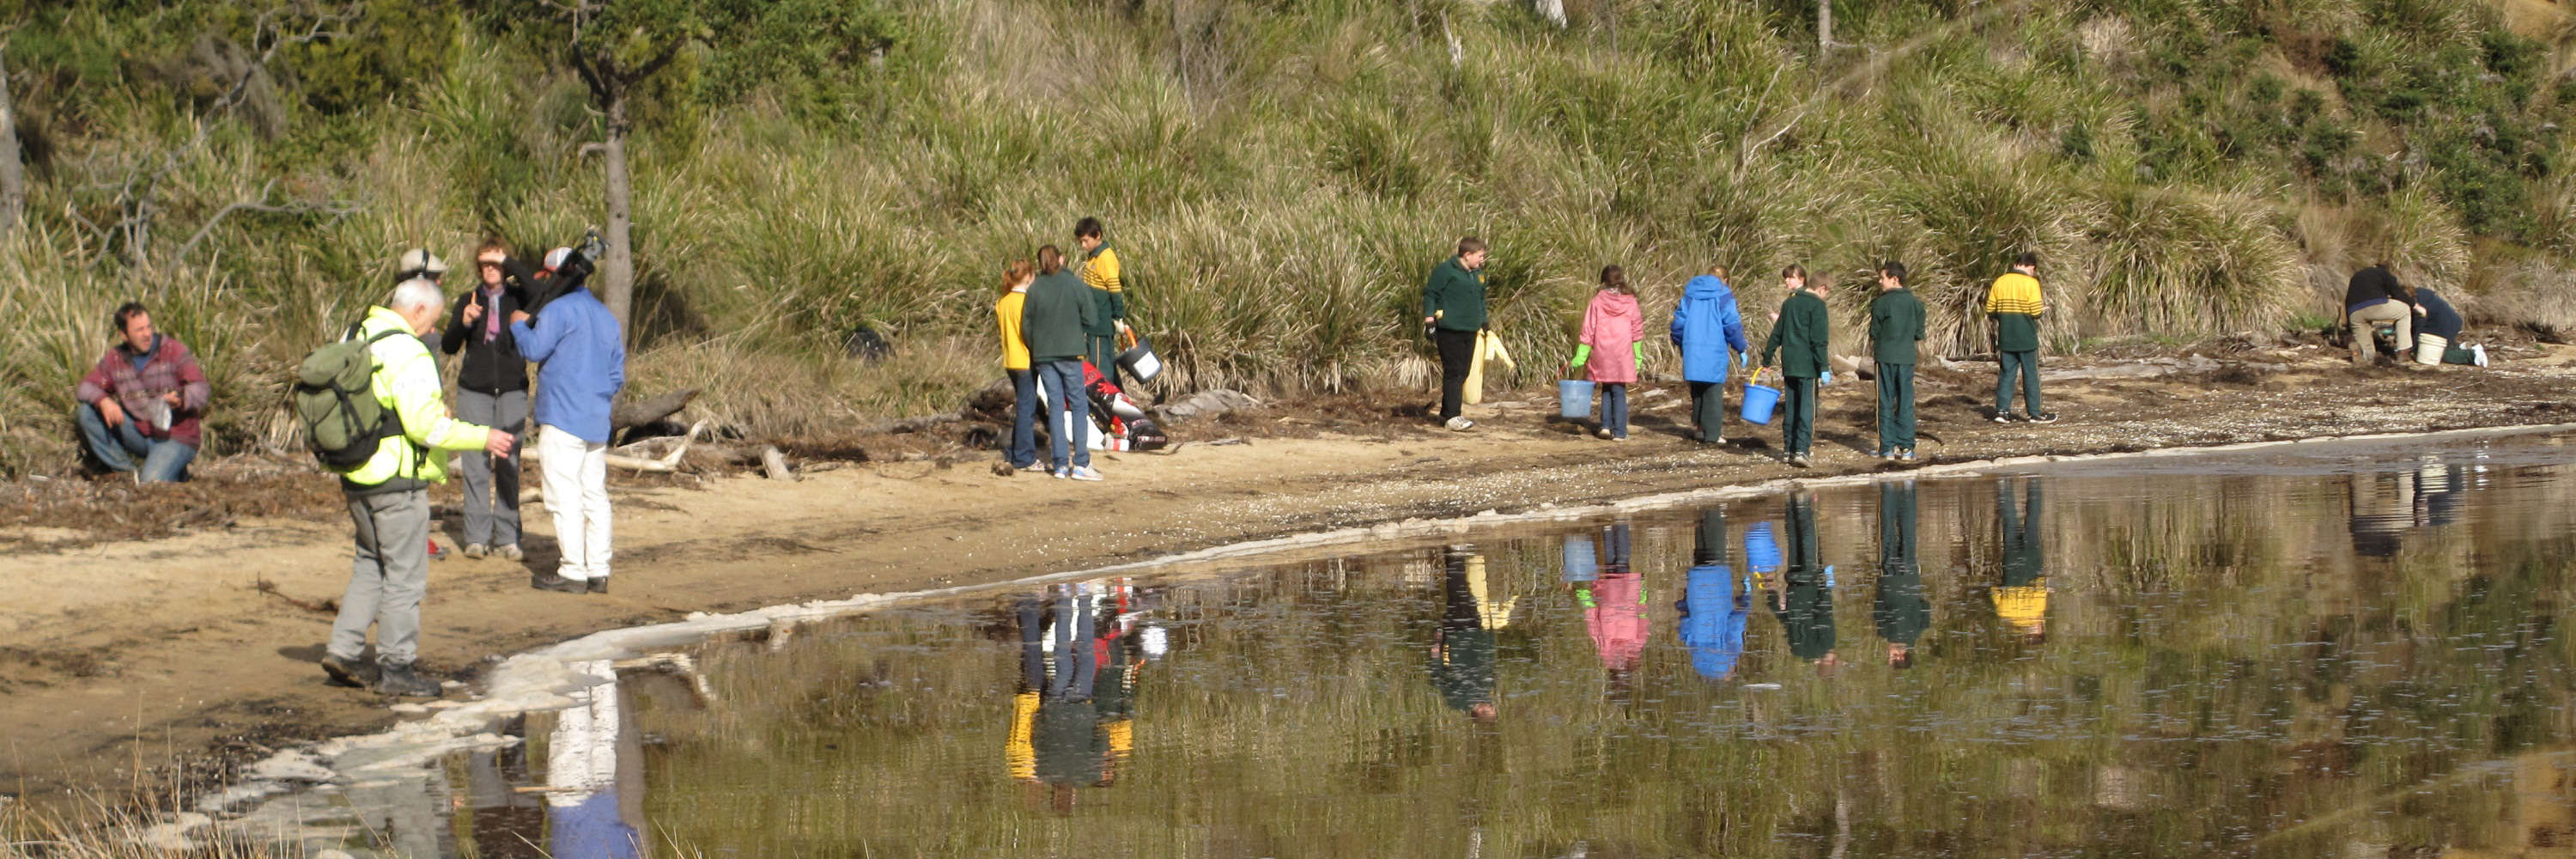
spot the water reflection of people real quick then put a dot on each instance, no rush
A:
(1713, 606)
(1614, 610)
(2384, 505)
(2022, 602)
(1900, 608)
(499, 817)
(590, 809)
(1805, 601)
(1062, 733)
(1462, 647)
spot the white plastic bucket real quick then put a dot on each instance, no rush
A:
(2429, 348)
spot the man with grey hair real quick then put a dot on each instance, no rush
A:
(389, 494)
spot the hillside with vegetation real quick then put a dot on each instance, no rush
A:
(1279, 175)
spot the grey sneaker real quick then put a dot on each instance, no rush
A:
(1082, 472)
(1906, 455)
(402, 680)
(348, 672)
(477, 550)
(1800, 460)
(510, 552)
(1460, 424)
(2042, 417)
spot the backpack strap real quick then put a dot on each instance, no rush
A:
(391, 426)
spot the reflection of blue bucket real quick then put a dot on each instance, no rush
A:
(1573, 399)
(1761, 550)
(1758, 400)
(1579, 563)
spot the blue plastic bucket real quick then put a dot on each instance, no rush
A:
(1580, 563)
(1573, 399)
(1758, 403)
(1761, 549)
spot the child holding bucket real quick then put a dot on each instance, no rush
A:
(1710, 334)
(1611, 347)
(1801, 334)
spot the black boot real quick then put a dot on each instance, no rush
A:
(550, 582)
(404, 681)
(599, 584)
(349, 672)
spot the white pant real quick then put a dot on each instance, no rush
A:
(575, 474)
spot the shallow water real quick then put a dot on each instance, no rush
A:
(2327, 650)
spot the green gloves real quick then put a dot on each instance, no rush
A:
(1583, 352)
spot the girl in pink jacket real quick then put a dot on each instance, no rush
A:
(1612, 346)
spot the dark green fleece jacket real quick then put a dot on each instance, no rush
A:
(1801, 333)
(1895, 325)
(1456, 296)
(1057, 311)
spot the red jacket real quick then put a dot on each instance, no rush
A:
(170, 368)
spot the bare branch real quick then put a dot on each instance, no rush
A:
(260, 204)
(137, 195)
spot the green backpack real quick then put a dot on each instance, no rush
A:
(335, 399)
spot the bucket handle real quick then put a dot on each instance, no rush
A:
(1756, 378)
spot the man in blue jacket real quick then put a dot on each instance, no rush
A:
(1710, 334)
(580, 352)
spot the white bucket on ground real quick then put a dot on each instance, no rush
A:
(2429, 348)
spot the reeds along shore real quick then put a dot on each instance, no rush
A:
(1280, 184)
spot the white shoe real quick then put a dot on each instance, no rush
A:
(2480, 353)
(1602, 433)
(1460, 424)
(1082, 472)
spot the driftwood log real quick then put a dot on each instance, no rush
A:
(630, 413)
(642, 455)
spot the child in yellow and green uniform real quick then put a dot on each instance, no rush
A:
(2022, 601)
(2013, 307)
(1108, 296)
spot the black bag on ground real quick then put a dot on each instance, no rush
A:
(1145, 434)
(334, 397)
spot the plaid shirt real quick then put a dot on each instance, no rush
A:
(170, 368)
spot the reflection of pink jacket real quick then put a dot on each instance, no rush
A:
(1617, 618)
(1612, 325)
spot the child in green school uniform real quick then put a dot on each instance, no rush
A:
(1895, 326)
(1800, 332)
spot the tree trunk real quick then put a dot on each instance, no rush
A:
(13, 175)
(1824, 27)
(617, 272)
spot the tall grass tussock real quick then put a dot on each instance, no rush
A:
(1280, 180)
